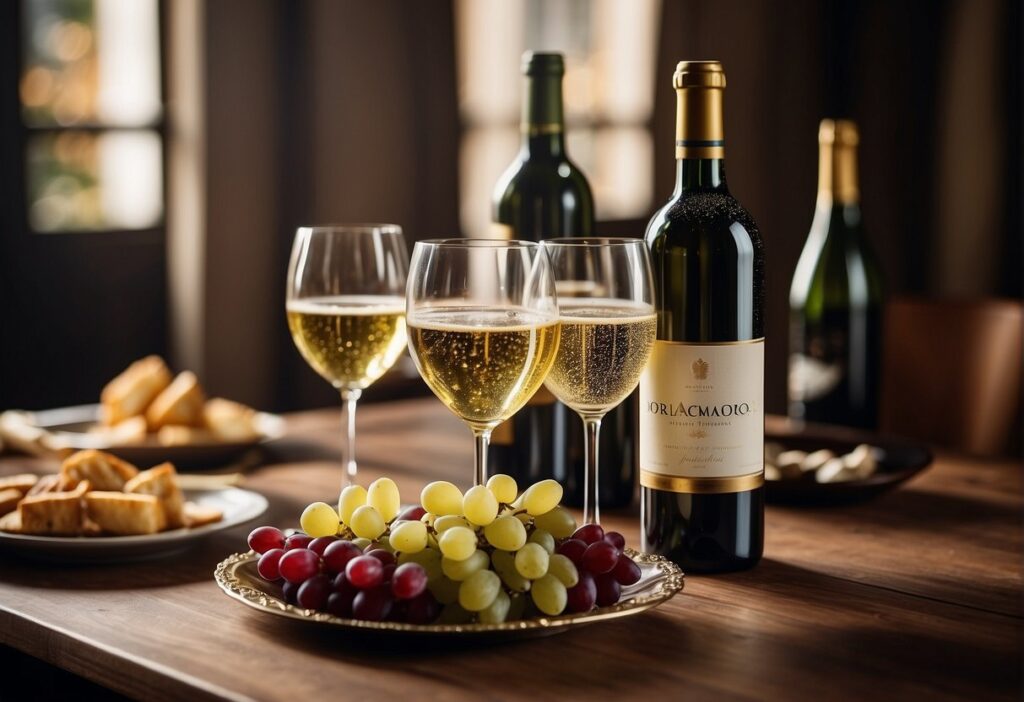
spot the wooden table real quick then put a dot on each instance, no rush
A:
(916, 595)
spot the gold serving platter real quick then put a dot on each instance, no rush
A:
(660, 580)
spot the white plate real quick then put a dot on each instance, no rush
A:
(239, 506)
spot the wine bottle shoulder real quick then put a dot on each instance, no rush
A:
(699, 216)
(544, 198)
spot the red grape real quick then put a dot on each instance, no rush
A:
(297, 540)
(589, 533)
(422, 610)
(314, 592)
(412, 513)
(320, 544)
(264, 538)
(608, 590)
(364, 572)
(572, 549)
(338, 554)
(373, 604)
(600, 557)
(289, 591)
(340, 604)
(267, 566)
(381, 555)
(626, 572)
(388, 572)
(409, 581)
(298, 565)
(615, 539)
(582, 596)
(342, 585)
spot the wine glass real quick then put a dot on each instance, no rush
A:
(608, 328)
(483, 328)
(346, 309)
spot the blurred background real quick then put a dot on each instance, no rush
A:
(157, 156)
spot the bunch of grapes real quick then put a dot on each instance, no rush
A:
(489, 555)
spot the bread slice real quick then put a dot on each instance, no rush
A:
(181, 402)
(9, 500)
(201, 515)
(11, 522)
(122, 514)
(47, 483)
(22, 482)
(130, 393)
(174, 435)
(162, 483)
(103, 470)
(53, 513)
(230, 421)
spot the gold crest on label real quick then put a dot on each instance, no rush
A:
(699, 368)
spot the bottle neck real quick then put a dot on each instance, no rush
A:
(700, 174)
(700, 140)
(543, 123)
(838, 184)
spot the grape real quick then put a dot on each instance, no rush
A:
(340, 604)
(298, 565)
(626, 572)
(385, 557)
(265, 538)
(589, 533)
(546, 540)
(505, 566)
(361, 544)
(506, 533)
(409, 537)
(412, 513)
(525, 518)
(448, 521)
(503, 487)
(428, 558)
(478, 591)
(320, 544)
(297, 540)
(460, 570)
(389, 570)
(454, 614)
(367, 522)
(342, 585)
(319, 519)
(444, 589)
(497, 611)
(364, 572)
(383, 496)
(268, 564)
(351, 497)
(549, 594)
(457, 543)
(565, 570)
(542, 497)
(573, 549)
(422, 610)
(441, 497)
(608, 589)
(409, 581)
(559, 522)
(372, 605)
(289, 591)
(615, 539)
(532, 561)
(480, 505)
(313, 593)
(600, 557)
(517, 607)
(583, 595)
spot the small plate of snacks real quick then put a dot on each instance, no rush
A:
(101, 508)
(826, 465)
(146, 415)
(490, 563)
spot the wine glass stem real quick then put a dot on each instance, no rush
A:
(591, 504)
(349, 398)
(482, 438)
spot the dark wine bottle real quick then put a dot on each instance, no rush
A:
(702, 395)
(835, 301)
(541, 195)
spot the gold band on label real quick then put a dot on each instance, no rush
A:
(759, 340)
(541, 129)
(675, 483)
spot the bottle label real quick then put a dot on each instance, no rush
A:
(702, 417)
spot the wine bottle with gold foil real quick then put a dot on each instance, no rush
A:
(541, 195)
(835, 300)
(701, 397)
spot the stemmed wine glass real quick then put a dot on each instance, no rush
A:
(346, 309)
(608, 328)
(483, 328)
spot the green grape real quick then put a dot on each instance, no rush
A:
(428, 519)
(409, 537)
(542, 497)
(351, 497)
(441, 497)
(444, 590)
(503, 487)
(384, 542)
(432, 542)
(448, 521)
(361, 543)
(539, 536)
(564, 569)
(548, 593)
(457, 543)
(497, 611)
(480, 505)
(383, 495)
(460, 570)
(505, 566)
(532, 561)
(429, 558)
(506, 533)
(319, 519)
(367, 522)
(526, 519)
(559, 522)
(478, 591)
(517, 607)
(454, 614)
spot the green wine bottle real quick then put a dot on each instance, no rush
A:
(835, 300)
(702, 394)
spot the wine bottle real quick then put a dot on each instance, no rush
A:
(835, 300)
(702, 395)
(543, 194)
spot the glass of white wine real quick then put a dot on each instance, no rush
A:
(608, 328)
(483, 328)
(346, 309)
